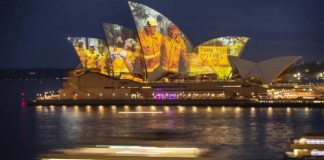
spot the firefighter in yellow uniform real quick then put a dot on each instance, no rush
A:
(137, 58)
(172, 49)
(123, 58)
(117, 61)
(82, 53)
(129, 55)
(91, 57)
(151, 44)
(102, 59)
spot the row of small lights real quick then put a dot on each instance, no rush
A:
(76, 94)
(286, 90)
(166, 108)
(298, 75)
(153, 94)
(46, 93)
(189, 94)
(88, 94)
(290, 92)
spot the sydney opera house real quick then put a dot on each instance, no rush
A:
(157, 61)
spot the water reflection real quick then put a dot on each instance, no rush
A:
(227, 131)
(288, 111)
(52, 108)
(153, 109)
(113, 109)
(63, 108)
(223, 109)
(39, 108)
(45, 109)
(194, 109)
(88, 109)
(166, 109)
(269, 112)
(139, 108)
(237, 109)
(101, 110)
(181, 109)
(209, 109)
(237, 112)
(76, 109)
(307, 111)
(252, 110)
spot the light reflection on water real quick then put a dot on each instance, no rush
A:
(194, 109)
(101, 110)
(166, 109)
(113, 109)
(209, 109)
(63, 108)
(288, 111)
(269, 112)
(223, 109)
(76, 109)
(139, 108)
(228, 132)
(88, 109)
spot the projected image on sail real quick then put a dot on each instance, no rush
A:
(165, 47)
(125, 52)
(93, 54)
(211, 57)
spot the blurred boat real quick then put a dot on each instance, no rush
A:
(309, 146)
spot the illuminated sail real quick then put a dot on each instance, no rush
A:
(125, 51)
(211, 57)
(165, 47)
(266, 71)
(93, 54)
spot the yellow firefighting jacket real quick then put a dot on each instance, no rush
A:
(151, 45)
(172, 50)
(103, 62)
(119, 64)
(91, 59)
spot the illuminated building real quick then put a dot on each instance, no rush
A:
(157, 61)
(99, 86)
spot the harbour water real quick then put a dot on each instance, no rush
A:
(225, 132)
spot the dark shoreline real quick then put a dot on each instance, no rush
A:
(207, 102)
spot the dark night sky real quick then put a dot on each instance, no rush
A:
(33, 32)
